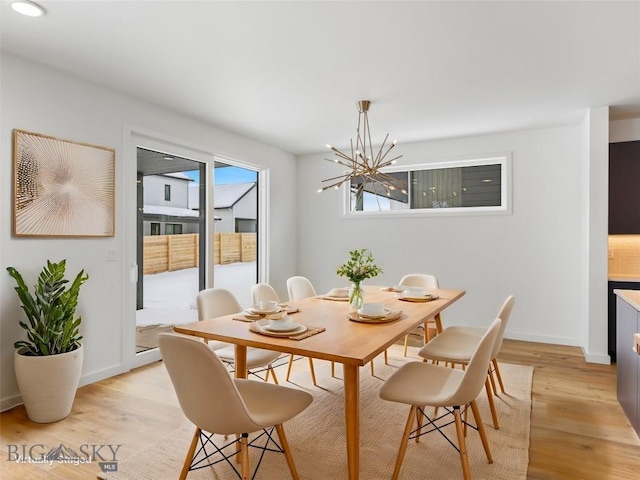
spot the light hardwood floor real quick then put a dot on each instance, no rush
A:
(578, 430)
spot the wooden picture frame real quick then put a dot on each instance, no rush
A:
(62, 188)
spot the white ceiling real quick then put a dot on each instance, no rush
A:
(289, 73)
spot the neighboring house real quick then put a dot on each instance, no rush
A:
(171, 206)
(235, 207)
(166, 205)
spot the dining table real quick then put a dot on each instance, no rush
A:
(350, 343)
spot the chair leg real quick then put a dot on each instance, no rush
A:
(492, 405)
(244, 457)
(386, 358)
(403, 443)
(493, 383)
(427, 334)
(406, 344)
(419, 421)
(333, 369)
(289, 367)
(287, 451)
(462, 444)
(497, 369)
(313, 372)
(373, 373)
(273, 374)
(190, 452)
(480, 425)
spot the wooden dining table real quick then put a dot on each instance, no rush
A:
(350, 343)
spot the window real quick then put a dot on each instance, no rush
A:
(167, 193)
(470, 186)
(155, 228)
(173, 229)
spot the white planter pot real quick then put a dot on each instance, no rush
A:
(48, 384)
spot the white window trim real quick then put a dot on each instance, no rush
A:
(468, 161)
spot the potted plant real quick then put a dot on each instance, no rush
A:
(48, 363)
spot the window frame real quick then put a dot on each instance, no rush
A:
(167, 192)
(503, 159)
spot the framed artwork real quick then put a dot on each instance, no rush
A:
(62, 188)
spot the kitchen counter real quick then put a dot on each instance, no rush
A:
(628, 368)
(620, 277)
(632, 297)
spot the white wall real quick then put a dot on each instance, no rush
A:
(42, 100)
(533, 253)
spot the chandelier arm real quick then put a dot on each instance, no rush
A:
(368, 133)
(345, 176)
(378, 159)
(391, 179)
(340, 162)
(387, 152)
(389, 162)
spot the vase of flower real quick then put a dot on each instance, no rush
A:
(355, 296)
(359, 267)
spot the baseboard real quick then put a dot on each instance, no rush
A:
(596, 358)
(527, 337)
(10, 402)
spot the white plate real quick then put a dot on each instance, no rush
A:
(267, 311)
(387, 311)
(266, 329)
(287, 327)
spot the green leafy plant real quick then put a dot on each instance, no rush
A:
(51, 327)
(360, 266)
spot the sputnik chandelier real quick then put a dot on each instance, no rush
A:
(364, 167)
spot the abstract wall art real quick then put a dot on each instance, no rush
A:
(62, 188)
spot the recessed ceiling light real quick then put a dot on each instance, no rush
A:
(168, 157)
(30, 9)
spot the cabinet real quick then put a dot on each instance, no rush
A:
(628, 387)
(611, 329)
(624, 187)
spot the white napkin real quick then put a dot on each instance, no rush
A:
(338, 293)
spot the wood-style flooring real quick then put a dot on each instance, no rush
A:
(578, 430)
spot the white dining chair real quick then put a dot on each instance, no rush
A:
(420, 384)
(428, 282)
(216, 403)
(300, 287)
(218, 302)
(265, 292)
(456, 345)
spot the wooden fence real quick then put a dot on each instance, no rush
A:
(167, 253)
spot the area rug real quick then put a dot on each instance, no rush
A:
(317, 436)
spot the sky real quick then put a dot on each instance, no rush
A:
(226, 175)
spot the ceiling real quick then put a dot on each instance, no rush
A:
(289, 73)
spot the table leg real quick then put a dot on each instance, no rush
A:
(241, 361)
(352, 415)
(241, 372)
(438, 323)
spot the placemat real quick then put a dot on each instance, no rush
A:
(335, 299)
(389, 317)
(428, 298)
(301, 336)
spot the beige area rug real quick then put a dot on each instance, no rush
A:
(317, 436)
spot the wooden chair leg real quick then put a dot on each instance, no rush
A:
(492, 405)
(190, 452)
(333, 369)
(462, 444)
(425, 334)
(497, 370)
(373, 373)
(289, 367)
(406, 344)
(313, 372)
(386, 358)
(404, 442)
(273, 374)
(492, 381)
(419, 421)
(287, 451)
(483, 434)
(244, 457)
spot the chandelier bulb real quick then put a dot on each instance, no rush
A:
(329, 147)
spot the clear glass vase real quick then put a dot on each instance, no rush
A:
(355, 296)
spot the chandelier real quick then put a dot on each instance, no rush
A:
(364, 167)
